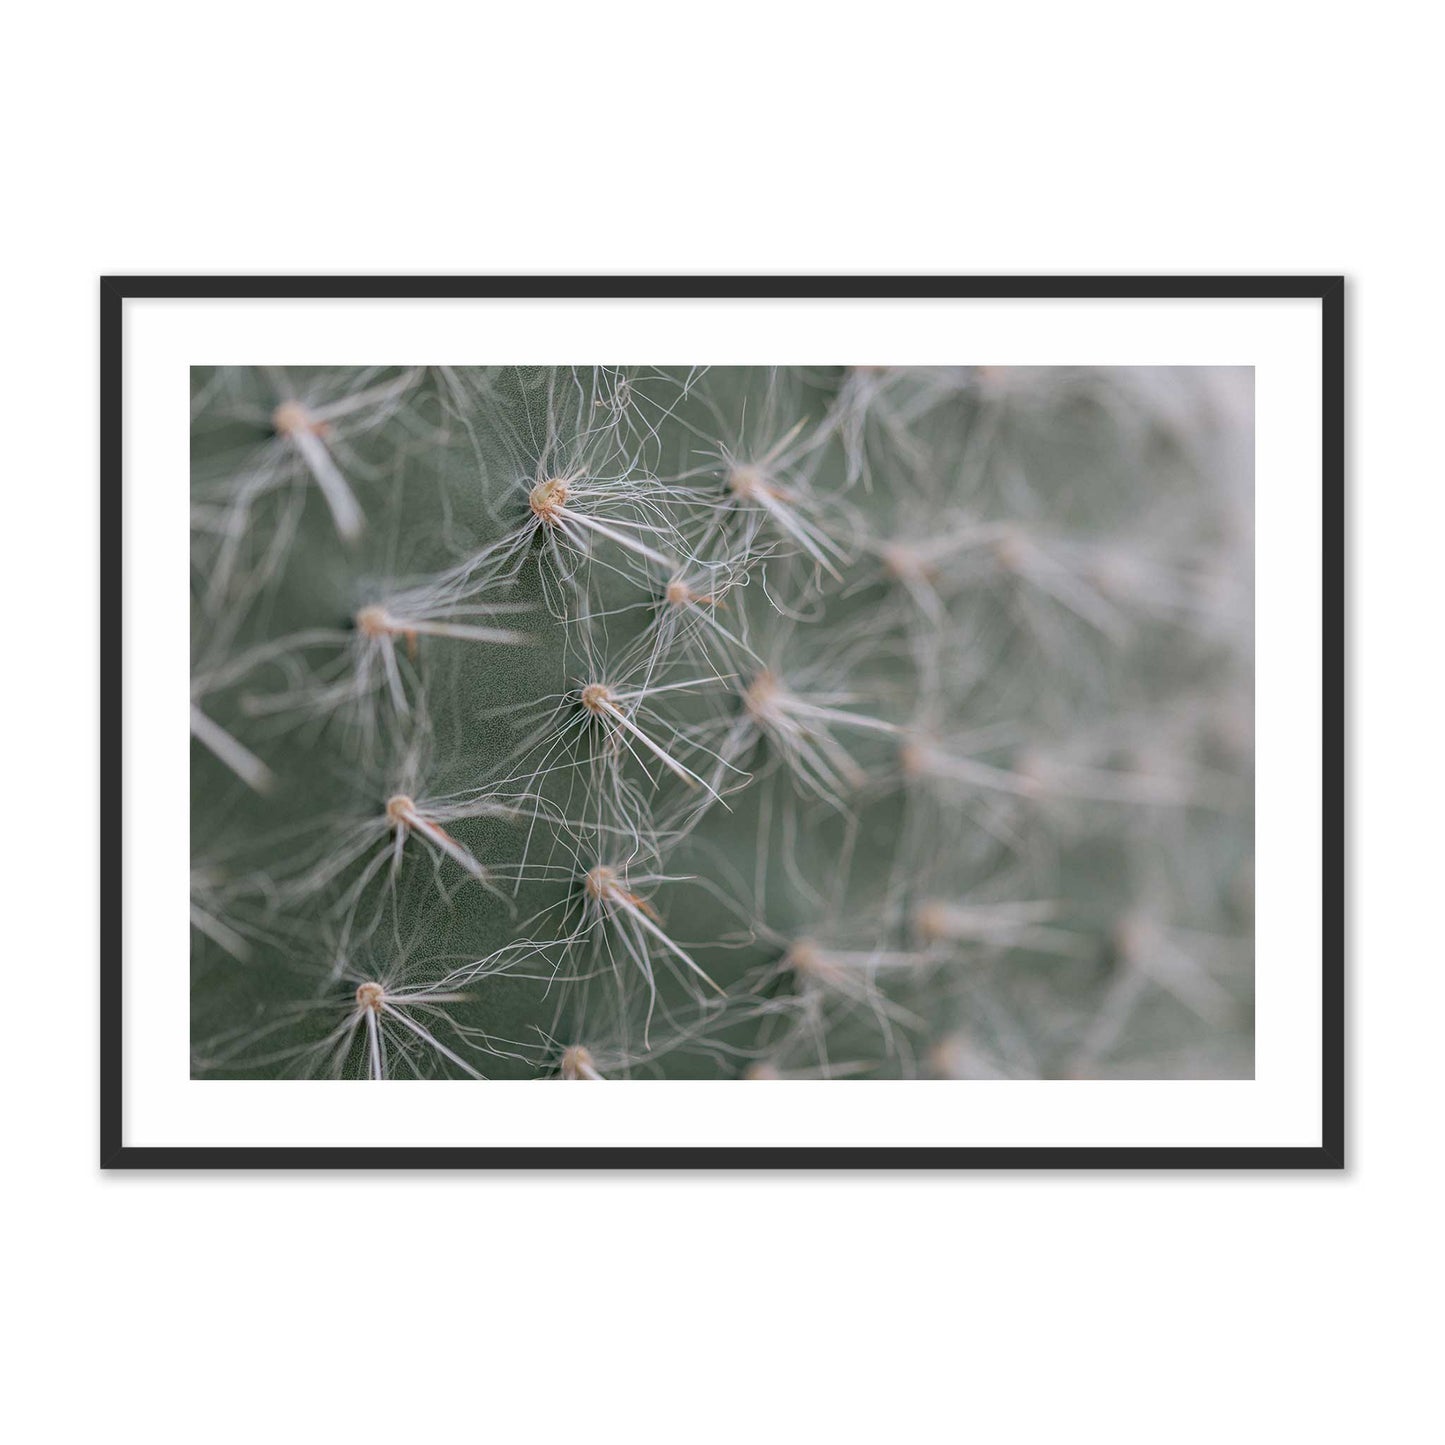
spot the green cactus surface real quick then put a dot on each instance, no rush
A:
(641, 723)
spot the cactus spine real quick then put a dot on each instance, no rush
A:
(644, 723)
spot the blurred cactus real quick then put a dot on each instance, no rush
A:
(628, 723)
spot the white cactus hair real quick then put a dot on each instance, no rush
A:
(606, 723)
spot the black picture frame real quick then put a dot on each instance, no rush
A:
(115, 290)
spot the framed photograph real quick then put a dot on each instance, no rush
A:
(882, 722)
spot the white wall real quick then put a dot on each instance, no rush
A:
(1033, 137)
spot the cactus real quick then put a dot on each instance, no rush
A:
(652, 723)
